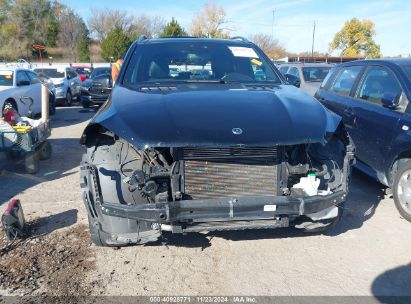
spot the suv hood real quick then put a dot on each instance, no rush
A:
(207, 115)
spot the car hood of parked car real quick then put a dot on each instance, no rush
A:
(215, 115)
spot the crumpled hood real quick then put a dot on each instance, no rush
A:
(205, 115)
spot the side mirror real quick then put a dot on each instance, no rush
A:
(390, 100)
(293, 80)
(23, 83)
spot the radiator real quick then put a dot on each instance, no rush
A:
(227, 172)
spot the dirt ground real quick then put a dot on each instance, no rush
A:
(368, 253)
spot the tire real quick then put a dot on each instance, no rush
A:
(401, 190)
(45, 150)
(52, 104)
(307, 225)
(96, 234)
(69, 99)
(86, 104)
(12, 103)
(31, 162)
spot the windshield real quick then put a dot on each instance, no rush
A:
(197, 62)
(100, 71)
(83, 71)
(315, 74)
(6, 78)
(52, 73)
(407, 70)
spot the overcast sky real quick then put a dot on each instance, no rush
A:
(293, 19)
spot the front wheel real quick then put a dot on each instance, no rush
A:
(401, 190)
(69, 99)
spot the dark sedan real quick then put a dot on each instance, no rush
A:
(373, 97)
(96, 89)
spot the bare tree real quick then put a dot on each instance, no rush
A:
(103, 21)
(71, 32)
(270, 46)
(210, 22)
(147, 26)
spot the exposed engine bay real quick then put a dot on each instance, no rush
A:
(114, 173)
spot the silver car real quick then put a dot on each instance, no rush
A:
(66, 81)
(307, 76)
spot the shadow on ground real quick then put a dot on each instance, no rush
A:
(67, 116)
(393, 286)
(363, 199)
(48, 224)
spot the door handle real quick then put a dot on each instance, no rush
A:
(349, 112)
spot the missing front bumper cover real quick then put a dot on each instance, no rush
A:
(243, 208)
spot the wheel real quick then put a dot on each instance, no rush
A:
(45, 150)
(31, 162)
(10, 103)
(52, 104)
(69, 99)
(402, 190)
(307, 225)
(86, 104)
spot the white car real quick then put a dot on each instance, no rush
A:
(16, 83)
(66, 81)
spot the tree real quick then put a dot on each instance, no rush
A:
(101, 22)
(173, 29)
(71, 33)
(270, 46)
(210, 22)
(356, 38)
(115, 44)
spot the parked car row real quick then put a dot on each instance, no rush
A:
(65, 84)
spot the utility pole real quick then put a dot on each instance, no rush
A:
(312, 45)
(272, 28)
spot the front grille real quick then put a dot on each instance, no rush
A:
(97, 98)
(231, 172)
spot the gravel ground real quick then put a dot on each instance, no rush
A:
(368, 253)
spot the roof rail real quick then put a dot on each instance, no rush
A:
(240, 38)
(142, 38)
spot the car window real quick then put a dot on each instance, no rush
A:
(104, 71)
(198, 61)
(51, 73)
(22, 76)
(6, 78)
(377, 84)
(315, 74)
(294, 71)
(407, 70)
(345, 79)
(328, 78)
(33, 77)
(283, 70)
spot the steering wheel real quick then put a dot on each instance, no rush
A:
(236, 77)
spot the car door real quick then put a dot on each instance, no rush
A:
(375, 124)
(337, 96)
(74, 82)
(22, 90)
(34, 91)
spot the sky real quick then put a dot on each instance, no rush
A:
(289, 21)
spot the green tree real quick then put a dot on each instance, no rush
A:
(83, 49)
(115, 44)
(173, 29)
(356, 38)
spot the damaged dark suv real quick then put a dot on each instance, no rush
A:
(181, 151)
